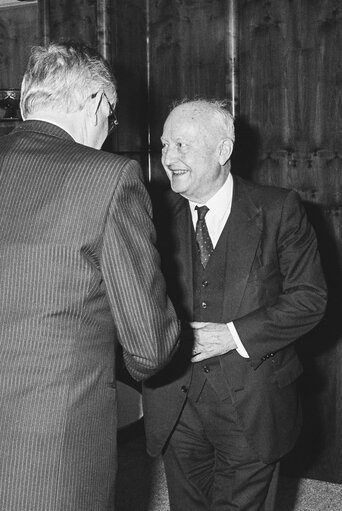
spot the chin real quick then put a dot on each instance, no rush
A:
(178, 185)
(178, 189)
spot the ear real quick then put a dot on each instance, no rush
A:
(225, 150)
(92, 107)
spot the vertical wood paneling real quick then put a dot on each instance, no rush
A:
(232, 56)
(73, 19)
(290, 95)
(129, 59)
(187, 56)
(18, 33)
(290, 73)
(118, 30)
(44, 21)
(103, 28)
(182, 61)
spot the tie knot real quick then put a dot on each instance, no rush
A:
(201, 211)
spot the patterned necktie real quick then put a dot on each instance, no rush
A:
(204, 243)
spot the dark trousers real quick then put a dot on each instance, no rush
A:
(209, 464)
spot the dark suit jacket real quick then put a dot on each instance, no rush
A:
(274, 293)
(78, 274)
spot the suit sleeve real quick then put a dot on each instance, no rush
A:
(146, 323)
(301, 302)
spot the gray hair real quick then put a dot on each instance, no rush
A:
(224, 119)
(62, 76)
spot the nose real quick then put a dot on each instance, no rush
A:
(169, 154)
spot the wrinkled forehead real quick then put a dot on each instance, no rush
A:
(190, 120)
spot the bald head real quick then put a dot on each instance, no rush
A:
(197, 144)
(212, 115)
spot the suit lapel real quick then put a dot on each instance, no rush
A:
(244, 231)
(181, 247)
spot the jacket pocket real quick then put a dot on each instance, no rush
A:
(288, 372)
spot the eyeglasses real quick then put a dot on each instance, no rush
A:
(112, 120)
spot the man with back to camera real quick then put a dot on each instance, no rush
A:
(79, 274)
(244, 274)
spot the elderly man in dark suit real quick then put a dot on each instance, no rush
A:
(79, 274)
(244, 273)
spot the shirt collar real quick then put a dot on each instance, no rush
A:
(220, 203)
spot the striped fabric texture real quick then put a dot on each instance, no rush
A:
(78, 274)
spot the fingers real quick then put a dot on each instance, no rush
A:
(199, 356)
(196, 353)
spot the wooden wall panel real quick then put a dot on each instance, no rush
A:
(18, 33)
(187, 58)
(291, 113)
(129, 59)
(118, 29)
(290, 75)
(71, 19)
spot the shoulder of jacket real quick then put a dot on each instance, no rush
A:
(268, 193)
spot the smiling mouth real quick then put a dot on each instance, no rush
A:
(178, 172)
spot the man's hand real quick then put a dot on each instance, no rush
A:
(211, 340)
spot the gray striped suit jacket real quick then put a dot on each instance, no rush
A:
(78, 273)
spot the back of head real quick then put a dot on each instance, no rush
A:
(62, 76)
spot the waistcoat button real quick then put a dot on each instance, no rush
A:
(204, 305)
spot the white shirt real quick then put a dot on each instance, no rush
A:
(219, 206)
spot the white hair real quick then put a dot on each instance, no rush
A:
(62, 76)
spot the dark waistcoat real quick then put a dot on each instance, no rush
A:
(208, 286)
